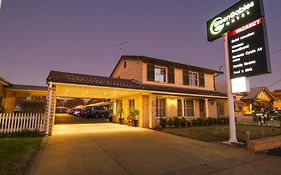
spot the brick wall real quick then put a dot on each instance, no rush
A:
(145, 111)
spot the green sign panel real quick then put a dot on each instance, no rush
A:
(239, 14)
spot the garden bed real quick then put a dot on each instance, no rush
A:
(219, 133)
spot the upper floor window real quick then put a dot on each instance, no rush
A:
(160, 74)
(193, 78)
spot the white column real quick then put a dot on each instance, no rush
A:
(182, 106)
(50, 93)
(232, 126)
(207, 108)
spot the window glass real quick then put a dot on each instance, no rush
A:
(160, 107)
(131, 104)
(160, 74)
(193, 78)
(188, 108)
(179, 107)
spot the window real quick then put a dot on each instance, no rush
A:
(193, 78)
(150, 72)
(125, 64)
(171, 75)
(160, 107)
(179, 107)
(188, 108)
(160, 74)
(131, 104)
(185, 77)
(201, 79)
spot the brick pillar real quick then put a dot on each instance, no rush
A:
(145, 111)
(50, 109)
(153, 112)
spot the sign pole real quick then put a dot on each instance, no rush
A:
(232, 126)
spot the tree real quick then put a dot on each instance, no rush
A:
(74, 102)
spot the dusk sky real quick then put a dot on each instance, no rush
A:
(85, 36)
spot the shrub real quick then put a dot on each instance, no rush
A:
(183, 122)
(163, 122)
(177, 122)
(170, 122)
(23, 133)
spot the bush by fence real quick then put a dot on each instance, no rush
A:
(264, 117)
(183, 122)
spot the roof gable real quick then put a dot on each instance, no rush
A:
(164, 62)
(254, 93)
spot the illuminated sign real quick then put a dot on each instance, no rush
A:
(248, 50)
(239, 85)
(240, 13)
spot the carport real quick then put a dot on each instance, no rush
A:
(120, 91)
(128, 94)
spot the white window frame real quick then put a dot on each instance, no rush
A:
(185, 108)
(159, 108)
(193, 78)
(158, 76)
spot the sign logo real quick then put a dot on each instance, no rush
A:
(244, 11)
(218, 23)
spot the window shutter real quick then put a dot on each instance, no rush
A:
(201, 79)
(171, 75)
(150, 72)
(185, 77)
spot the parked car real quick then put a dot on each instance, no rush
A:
(96, 111)
(79, 112)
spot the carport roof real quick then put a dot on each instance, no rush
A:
(75, 78)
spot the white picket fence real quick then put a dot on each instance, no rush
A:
(16, 122)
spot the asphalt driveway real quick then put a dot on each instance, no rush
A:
(107, 148)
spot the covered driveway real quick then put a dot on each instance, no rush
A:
(117, 149)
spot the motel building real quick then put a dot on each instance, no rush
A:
(156, 88)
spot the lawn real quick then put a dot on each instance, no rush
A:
(219, 133)
(16, 154)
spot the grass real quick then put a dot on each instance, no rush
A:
(17, 154)
(218, 133)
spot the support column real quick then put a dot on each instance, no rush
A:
(50, 109)
(207, 108)
(152, 111)
(182, 106)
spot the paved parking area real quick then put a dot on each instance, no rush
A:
(107, 148)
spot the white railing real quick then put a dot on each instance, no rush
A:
(16, 122)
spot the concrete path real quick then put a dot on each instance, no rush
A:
(118, 149)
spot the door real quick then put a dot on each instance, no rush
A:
(202, 108)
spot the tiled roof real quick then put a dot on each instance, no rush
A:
(28, 87)
(165, 63)
(74, 78)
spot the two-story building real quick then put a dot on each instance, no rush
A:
(157, 88)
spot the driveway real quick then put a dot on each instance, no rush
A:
(107, 148)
